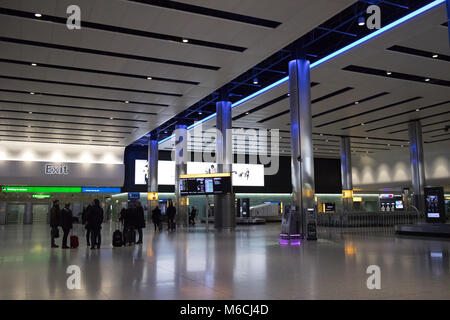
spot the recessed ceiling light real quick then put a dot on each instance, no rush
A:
(362, 123)
(356, 102)
(435, 56)
(34, 64)
(30, 112)
(427, 79)
(417, 110)
(247, 113)
(367, 138)
(149, 78)
(29, 126)
(99, 130)
(200, 112)
(112, 118)
(388, 144)
(388, 73)
(38, 15)
(255, 81)
(31, 92)
(185, 40)
(126, 101)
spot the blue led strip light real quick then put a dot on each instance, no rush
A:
(327, 58)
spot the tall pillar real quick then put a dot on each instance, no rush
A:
(302, 162)
(28, 214)
(224, 213)
(181, 153)
(152, 182)
(417, 163)
(346, 174)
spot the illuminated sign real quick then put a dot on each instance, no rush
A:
(385, 196)
(100, 190)
(41, 196)
(357, 199)
(152, 196)
(42, 189)
(56, 169)
(347, 194)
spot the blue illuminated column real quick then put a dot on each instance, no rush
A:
(224, 212)
(346, 172)
(302, 162)
(417, 163)
(448, 19)
(181, 159)
(152, 184)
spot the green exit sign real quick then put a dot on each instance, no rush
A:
(41, 196)
(42, 189)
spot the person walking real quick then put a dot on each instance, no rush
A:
(139, 220)
(192, 216)
(94, 224)
(84, 222)
(55, 216)
(156, 217)
(66, 224)
(171, 212)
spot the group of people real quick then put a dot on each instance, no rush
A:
(92, 218)
(133, 219)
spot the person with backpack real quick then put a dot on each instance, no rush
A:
(139, 222)
(171, 212)
(156, 217)
(55, 217)
(66, 224)
(94, 224)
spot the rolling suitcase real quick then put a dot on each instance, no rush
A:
(74, 243)
(117, 239)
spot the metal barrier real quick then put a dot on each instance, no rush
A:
(367, 222)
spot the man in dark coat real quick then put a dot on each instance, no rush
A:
(94, 224)
(139, 220)
(171, 212)
(128, 218)
(54, 222)
(84, 222)
(66, 224)
(156, 217)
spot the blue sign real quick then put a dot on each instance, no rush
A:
(134, 195)
(100, 190)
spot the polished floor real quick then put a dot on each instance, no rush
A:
(246, 264)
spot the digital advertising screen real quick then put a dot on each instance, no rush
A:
(243, 175)
(166, 172)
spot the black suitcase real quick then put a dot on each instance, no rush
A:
(117, 239)
(130, 236)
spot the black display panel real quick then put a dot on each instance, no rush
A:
(434, 205)
(205, 185)
(330, 207)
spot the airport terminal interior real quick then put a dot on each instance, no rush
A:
(274, 150)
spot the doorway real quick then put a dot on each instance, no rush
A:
(14, 213)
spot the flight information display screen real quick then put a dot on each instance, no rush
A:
(205, 185)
